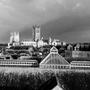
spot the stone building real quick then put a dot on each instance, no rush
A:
(36, 33)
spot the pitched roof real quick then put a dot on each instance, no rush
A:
(53, 50)
(81, 62)
(54, 58)
(57, 88)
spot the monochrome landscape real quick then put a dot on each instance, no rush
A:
(45, 44)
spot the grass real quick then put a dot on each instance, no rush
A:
(23, 78)
(33, 78)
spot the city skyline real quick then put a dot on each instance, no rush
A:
(65, 20)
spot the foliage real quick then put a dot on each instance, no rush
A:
(17, 81)
(68, 80)
(74, 80)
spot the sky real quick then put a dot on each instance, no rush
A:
(67, 20)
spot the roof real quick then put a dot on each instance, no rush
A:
(54, 50)
(17, 61)
(54, 58)
(57, 88)
(79, 62)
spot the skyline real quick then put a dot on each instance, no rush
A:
(62, 19)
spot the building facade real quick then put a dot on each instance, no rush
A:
(56, 42)
(15, 37)
(36, 33)
(81, 54)
(28, 43)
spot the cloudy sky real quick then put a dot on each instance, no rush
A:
(67, 20)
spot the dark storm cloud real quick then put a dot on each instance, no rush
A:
(68, 24)
(59, 18)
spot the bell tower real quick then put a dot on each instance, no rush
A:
(36, 33)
